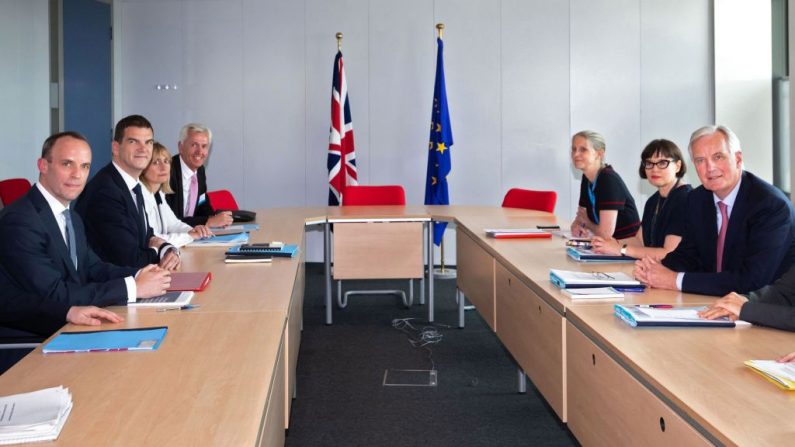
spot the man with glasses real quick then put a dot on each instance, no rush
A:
(739, 231)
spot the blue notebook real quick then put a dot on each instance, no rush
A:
(140, 339)
(640, 315)
(284, 251)
(586, 255)
(221, 240)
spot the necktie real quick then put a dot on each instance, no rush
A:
(724, 224)
(193, 194)
(139, 199)
(71, 245)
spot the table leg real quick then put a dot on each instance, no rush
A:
(430, 272)
(327, 261)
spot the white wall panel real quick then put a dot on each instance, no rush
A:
(323, 20)
(676, 77)
(213, 86)
(402, 62)
(24, 85)
(535, 98)
(274, 104)
(472, 56)
(605, 82)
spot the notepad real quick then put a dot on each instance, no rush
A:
(566, 279)
(284, 251)
(139, 339)
(678, 316)
(781, 374)
(221, 241)
(231, 258)
(168, 299)
(189, 281)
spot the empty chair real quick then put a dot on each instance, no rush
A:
(377, 250)
(531, 200)
(222, 200)
(12, 189)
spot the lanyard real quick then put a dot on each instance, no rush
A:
(592, 198)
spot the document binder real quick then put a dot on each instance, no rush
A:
(586, 255)
(139, 339)
(678, 316)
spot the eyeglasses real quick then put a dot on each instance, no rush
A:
(661, 164)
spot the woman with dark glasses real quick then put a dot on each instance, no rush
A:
(663, 216)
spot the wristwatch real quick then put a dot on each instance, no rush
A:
(623, 250)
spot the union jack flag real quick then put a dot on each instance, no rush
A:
(341, 151)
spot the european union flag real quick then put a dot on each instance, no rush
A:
(439, 146)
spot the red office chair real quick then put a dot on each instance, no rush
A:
(374, 195)
(531, 200)
(222, 200)
(364, 196)
(12, 189)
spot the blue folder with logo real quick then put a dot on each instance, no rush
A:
(139, 339)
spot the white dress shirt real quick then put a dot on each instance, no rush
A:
(57, 210)
(164, 222)
(187, 173)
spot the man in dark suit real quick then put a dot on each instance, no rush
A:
(112, 204)
(48, 273)
(740, 230)
(189, 181)
(772, 305)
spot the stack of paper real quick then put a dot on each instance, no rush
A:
(782, 374)
(594, 293)
(516, 233)
(35, 416)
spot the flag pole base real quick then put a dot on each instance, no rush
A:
(446, 273)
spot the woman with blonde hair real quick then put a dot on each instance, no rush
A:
(161, 218)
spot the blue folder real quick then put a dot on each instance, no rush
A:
(585, 255)
(140, 339)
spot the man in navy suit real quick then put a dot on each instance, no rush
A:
(189, 181)
(740, 230)
(112, 204)
(48, 273)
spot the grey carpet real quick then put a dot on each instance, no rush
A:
(341, 400)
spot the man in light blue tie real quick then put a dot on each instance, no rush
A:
(48, 273)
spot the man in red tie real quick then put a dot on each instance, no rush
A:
(740, 230)
(189, 181)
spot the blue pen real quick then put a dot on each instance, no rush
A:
(185, 307)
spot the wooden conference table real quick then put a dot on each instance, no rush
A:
(225, 373)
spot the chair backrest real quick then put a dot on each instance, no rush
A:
(374, 195)
(531, 200)
(12, 189)
(222, 200)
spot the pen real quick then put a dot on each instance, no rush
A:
(185, 307)
(655, 306)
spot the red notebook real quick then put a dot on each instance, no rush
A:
(192, 281)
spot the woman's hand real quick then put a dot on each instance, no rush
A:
(608, 246)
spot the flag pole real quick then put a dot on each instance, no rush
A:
(442, 272)
(339, 41)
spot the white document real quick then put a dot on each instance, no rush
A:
(35, 416)
(594, 293)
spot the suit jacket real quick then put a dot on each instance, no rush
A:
(773, 305)
(177, 203)
(759, 245)
(38, 281)
(112, 222)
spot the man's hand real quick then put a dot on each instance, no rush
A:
(222, 219)
(728, 306)
(170, 260)
(650, 272)
(91, 316)
(152, 281)
(200, 232)
(787, 358)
